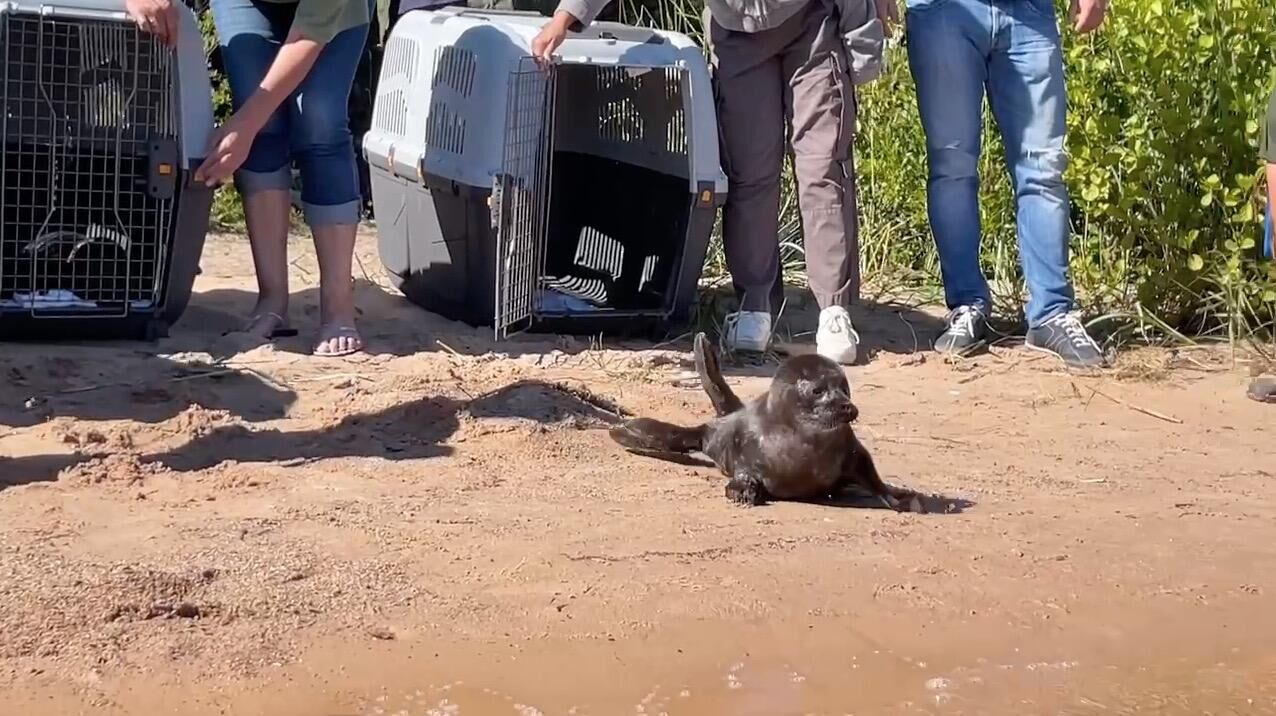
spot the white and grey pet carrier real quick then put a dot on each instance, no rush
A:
(102, 126)
(577, 197)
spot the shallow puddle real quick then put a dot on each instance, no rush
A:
(831, 667)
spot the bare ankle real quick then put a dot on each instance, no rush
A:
(271, 303)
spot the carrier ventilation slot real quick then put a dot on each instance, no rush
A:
(86, 104)
(454, 68)
(399, 70)
(639, 102)
(445, 130)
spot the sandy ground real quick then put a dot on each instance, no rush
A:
(431, 531)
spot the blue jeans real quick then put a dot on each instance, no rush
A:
(312, 127)
(1010, 49)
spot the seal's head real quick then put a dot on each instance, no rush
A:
(813, 390)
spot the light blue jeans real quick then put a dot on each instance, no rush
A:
(312, 127)
(958, 51)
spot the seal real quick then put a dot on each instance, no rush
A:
(795, 442)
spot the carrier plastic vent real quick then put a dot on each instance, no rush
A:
(89, 113)
(399, 68)
(455, 67)
(446, 129)
(638, 103)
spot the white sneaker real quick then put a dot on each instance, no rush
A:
(748, 331)
(836, 339)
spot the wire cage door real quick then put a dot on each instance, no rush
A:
(520, 197)
(88, 152)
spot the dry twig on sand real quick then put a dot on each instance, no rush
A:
(451, 351)
(1131, 406)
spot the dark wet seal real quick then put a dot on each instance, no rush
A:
(793, 443)
(1263, 389)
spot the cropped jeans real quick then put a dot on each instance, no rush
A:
(312, 127)
(959, 50)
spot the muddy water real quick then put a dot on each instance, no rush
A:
(1192, 661)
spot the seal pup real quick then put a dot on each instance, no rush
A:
(795, 442)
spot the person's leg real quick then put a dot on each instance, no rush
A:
(1269, 156)
(330, 197)
(1271, 197)
(250, 35)
(820, 102)
(1263, 387)
(1027, 97)
(948, 47)
(748, 84)
(1270, 222)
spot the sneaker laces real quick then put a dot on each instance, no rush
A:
(731, 328)
(1075, 331)
(840, 323)
(962, 320)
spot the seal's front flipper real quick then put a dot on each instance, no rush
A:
(859, 473)
(746, 489)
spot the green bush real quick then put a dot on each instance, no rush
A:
(1165, 104)
(1165, 110)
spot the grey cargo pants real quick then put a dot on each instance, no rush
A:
(790, 82)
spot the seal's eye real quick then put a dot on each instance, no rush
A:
(817, 390)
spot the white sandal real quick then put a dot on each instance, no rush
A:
(328, 333)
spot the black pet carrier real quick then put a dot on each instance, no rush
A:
(101, 227)
(577, 198)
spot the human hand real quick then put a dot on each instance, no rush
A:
(157, 17)
(551, 37)
(888, 13)
(226, 153)
(1087, 15)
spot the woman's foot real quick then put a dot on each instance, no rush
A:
(267, 326)
(334, 245)
(338, 339)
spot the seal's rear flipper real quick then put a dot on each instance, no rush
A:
(675, 457)
(720, 394)
(653, 436)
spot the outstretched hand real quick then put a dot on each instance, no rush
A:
(156, 17)
(888, 13)
(226, 153)
(1087, 15)
(551, 37)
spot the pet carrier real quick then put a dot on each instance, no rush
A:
(575, 198)
(102, 127)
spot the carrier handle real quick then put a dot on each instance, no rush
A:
(611, 31)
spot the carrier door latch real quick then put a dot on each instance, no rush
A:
(705, 194)
(162, 172)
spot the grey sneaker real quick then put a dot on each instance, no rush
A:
(1263, 389)
(966, 331)
(1064, 337)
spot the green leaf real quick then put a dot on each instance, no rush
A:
(1195, 262)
